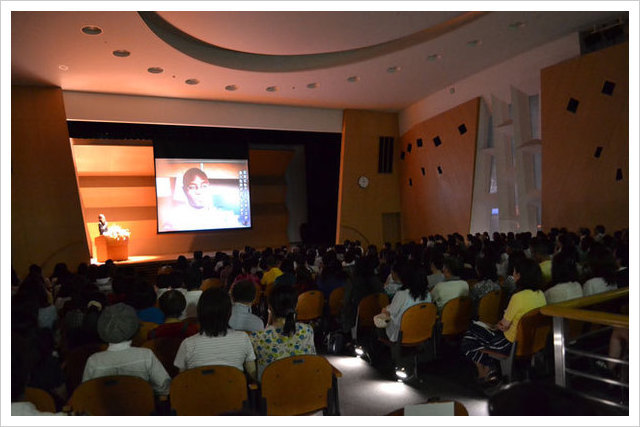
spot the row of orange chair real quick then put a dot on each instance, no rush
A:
(295, 385)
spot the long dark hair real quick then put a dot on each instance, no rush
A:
(414, 279)
(282, 301)
(214, 311)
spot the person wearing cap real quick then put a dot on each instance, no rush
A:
(117, 325)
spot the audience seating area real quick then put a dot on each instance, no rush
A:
(337, 299)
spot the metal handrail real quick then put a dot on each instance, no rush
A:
(574, 309)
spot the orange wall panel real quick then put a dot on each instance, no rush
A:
(360, 210)
(107, 160)
(578, 189)
(439, 202)
(46, 217)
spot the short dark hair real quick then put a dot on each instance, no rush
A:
(530, 274)
(214, 311)
(454, 265)
(486, 268)
(243, 291)
(172, 303)
(190, 174)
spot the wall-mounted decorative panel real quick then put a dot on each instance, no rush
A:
(436, 179)
(585, 145)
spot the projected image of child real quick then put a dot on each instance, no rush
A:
(199, 212)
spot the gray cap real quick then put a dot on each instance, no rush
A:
(118, 323)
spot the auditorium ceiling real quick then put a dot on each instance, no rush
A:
(360, 60)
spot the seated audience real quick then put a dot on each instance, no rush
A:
(172, 303)
(393, 282)
(216, 343)
(602, 267)
(499, 338)
(413, 291)
(143, 299)
(192, 281)
(332, 275)
(452, 286)
(487, 281)
(242, 294)
(117, 325)
(271, 273)
(436, 265)
(564, 279)
(283, 336)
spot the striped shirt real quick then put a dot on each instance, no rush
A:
(122, 359)
(233, 349)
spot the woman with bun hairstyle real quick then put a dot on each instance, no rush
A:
(283, 336)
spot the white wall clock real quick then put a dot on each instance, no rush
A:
(363, 181)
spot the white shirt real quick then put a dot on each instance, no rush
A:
(47, 317)
(243, 320)
(192, 298)
(122, 359)
(232, 349)
(434, 279)
(597, 285)
(445, 291)
(105, 285)
(28, 408)
(563, 292)
(402, 300)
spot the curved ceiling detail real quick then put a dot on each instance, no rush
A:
(246, 61)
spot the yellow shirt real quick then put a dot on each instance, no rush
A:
(269, 277)
(545, 267)
(519, 304)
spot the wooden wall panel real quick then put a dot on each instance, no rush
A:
(360, 210)
(46, 217)
(439, 202)
(124, 191)
(579, 189)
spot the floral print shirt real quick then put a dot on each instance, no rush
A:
(270, 345)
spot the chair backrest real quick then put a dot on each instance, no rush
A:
(336, 301)
(310, 306)
(417, 323)
(165, 349)
(113, 395)
(297, 385)
(368, 307)
(208, 390)
(143, 331)
(489, 307)
(456, 316)
(533, 330)
(40, 398)
(211, 282)
(459, 409)
(74, 362)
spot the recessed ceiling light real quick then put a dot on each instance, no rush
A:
(63, 67)
(91, 30)
(192, 81)
(517, 25)
(121, 53)
(474, 43)
(231, 88)
(434, 57)
(393, 69)
(353, 79)
(272, 89)
(452, 90)
(155, 70)
(312, 85)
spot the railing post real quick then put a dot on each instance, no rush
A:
(558, 350)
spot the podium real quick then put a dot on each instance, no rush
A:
(111, 248)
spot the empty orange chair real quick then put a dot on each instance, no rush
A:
(456, 316)
(209, 390)
(113, 395)
(489, 308)
(300, 385)
(310, 306)
(368, 307)
(40, 398)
